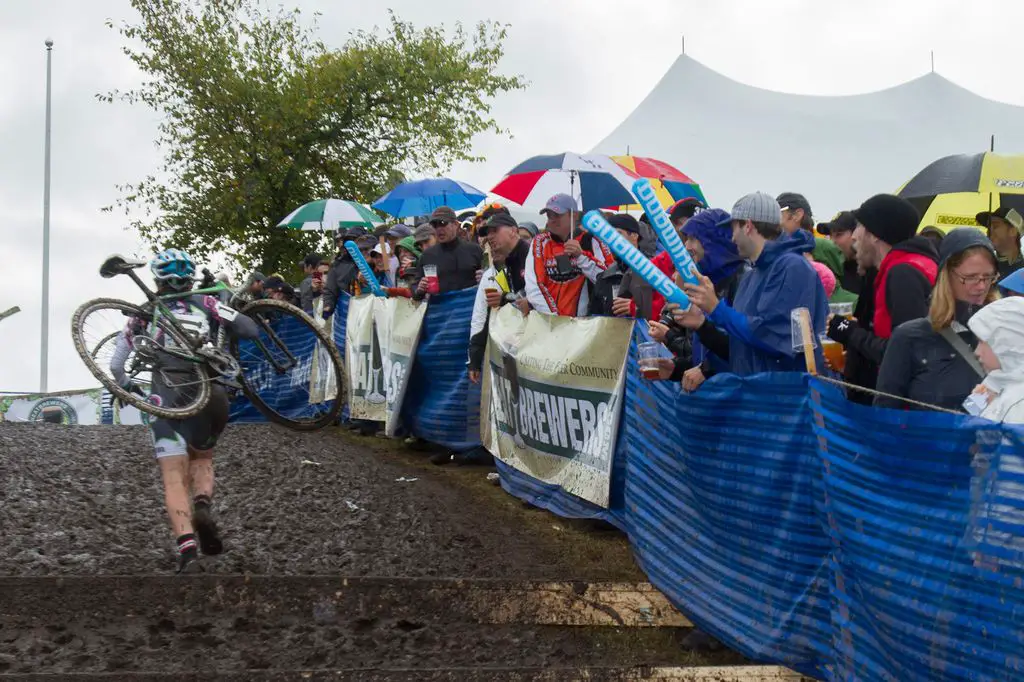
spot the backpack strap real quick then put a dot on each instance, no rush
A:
(961, 347)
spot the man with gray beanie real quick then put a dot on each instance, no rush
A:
(906, 270)
(759, 322)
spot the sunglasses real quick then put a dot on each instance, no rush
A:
(178, 282)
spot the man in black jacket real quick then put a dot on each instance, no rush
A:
(619, 291)
(902, 270)
(343, 270)
(457, 260)
(503, 284)
(308, 288)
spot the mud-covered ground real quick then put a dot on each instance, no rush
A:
(87, 501)
(82, 500)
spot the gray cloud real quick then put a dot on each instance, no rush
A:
(589, 63)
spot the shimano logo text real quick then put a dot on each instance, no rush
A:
(666, 233)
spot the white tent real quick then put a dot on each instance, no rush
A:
(837, 151)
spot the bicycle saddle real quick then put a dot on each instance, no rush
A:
(119, 265)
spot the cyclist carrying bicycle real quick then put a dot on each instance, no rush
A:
(184, 447)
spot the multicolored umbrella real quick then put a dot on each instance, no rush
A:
(331, 214)
(594, 180)
(421, 197)
(950, 192)
(670, 183)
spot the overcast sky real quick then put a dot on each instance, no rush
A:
(589, 62)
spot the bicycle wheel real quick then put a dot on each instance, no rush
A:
(93, 325)
(292, 372)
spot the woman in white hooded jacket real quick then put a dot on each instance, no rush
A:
(996, 530)
(1000, 331)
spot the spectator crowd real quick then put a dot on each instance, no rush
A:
(914, 315)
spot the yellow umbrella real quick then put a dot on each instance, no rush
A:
(950, 211)
(951, 191)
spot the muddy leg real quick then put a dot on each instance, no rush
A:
(179, 507)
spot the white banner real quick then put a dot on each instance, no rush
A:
(323, 383)
(367, 399)
(399, 322)
(380, 346)
(555, 397)
(89, 407)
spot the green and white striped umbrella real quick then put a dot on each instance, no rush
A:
(331, 214)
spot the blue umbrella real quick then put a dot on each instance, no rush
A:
(421, 197)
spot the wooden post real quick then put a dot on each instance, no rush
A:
(807, 335)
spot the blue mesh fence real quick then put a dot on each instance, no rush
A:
(842, 541)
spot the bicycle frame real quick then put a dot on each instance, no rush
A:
(161, 310)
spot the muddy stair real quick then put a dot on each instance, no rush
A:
(218, 627)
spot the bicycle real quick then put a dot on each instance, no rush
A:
(291, 348)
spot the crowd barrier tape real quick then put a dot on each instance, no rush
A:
(845, 542)
(662, 226)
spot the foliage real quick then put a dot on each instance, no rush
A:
(258, 117)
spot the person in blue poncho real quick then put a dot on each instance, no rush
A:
(716, 256)
(758, 322)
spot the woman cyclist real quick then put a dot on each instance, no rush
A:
(184, 447)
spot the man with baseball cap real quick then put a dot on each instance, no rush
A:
(759, 322)
(1005, 227)
(796, 212)
(424, 236)
(904, 267)
(559, 267)
(840, 231)
(683, 210)
(619, 291)
(503, 282)
(457, 260)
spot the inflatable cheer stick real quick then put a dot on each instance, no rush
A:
(685, 266)
(364, 268)
(599, 227)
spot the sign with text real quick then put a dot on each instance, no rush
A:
(555, 396)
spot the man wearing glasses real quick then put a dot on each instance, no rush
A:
(456, 260)
(907, 267)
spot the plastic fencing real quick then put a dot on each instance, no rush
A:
(844, 542)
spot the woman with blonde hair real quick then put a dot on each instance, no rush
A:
(931, 360)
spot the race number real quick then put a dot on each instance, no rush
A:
(227, 313)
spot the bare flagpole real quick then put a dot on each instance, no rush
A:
(44, 347)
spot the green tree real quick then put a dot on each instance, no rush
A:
(259, 117)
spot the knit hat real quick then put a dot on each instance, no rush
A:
(959, 240)
(890, 218)
(529, 227)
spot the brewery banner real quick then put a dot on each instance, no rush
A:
(554, 397)
(380, 345)
(89, 407)
(322, 382)
(399, 322)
